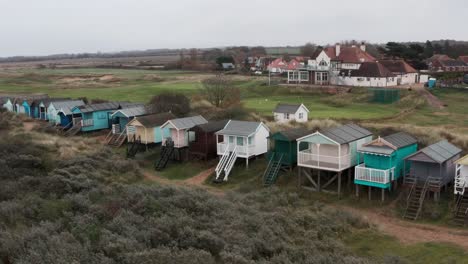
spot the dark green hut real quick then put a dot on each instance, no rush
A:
(283, 152)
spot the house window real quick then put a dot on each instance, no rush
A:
(324, 76)
(286, 116)
(301, 115)
(240, 141)
(368, 79)
(323, 63)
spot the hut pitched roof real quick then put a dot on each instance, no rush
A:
(438, 152)
(387, 145)
(240, 128)
(66, 106)
(154, 120)
(188, 122)
(293, 134)
(132, 111)
(288, 108)
(212, 126)
(346, 133)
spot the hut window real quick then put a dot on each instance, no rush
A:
(231, 139)
(286, 116)
(240, 141)
(220, 138)
(102, 115)
(250, 140)
(301, 115)
(192, 136)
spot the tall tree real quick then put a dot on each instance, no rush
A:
(220, 91)
(428, 50)
(308, 49)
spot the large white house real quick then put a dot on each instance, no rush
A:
(291, 112)
(352, 66)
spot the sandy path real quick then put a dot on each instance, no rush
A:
(410, 233)
(29, 126)
(431, 99)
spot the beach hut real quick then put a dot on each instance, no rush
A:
(63, 112)
(6, 103)
(175, 145)
(43, 104)
(96, 117)
(384, 160)
(461, 192)
(283, 152)
(54, 109)
(203, 144)
(122, 117)
(239, 139)
(435, 164)
(29, 107)
(331, 151)
(148, 129)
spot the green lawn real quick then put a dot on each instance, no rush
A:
(319, 108)
(381, 248)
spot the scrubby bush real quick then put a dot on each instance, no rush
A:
(83, 210)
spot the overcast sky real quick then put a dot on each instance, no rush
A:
(41, 27)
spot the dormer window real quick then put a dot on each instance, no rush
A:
(323, 63)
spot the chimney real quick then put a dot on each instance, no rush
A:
(337, 49)
(363, 47)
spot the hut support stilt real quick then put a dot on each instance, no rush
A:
(370, 193)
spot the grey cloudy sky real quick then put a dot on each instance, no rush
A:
(40, 27)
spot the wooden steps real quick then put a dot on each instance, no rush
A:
(75, 129)
(416, 199)
(133, 147)
(461, 212)
(166, 153)
(272, 170)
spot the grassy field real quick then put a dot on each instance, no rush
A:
(382, 248)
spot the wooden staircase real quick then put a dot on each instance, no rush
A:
(272, 170)
(225, 164)
(416, 199)
(75, 129)
(166, 153)
(116, 140)
(461, 209)
(133, 147)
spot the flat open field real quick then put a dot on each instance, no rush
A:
(141, 85)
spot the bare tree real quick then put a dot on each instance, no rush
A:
(220, 91)
(308, 49)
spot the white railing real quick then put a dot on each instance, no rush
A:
(230, 164)
(87, 122)
(374, 175)
(243, 151)
(115, 129)
(307, 159)
(461, 181)
(224, 159)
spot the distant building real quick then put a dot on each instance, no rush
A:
(291, 112)
(278, 66)
(369, 74)
(443, 63)
(404, 73)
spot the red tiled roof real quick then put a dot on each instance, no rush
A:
(293, 64)
(398, 66)
(351, 54)
(278, 63)
(464, 58)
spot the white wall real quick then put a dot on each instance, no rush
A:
(409, 78)
(261, 141)
(423, 78)
(364, 81)
(350, 66)
(304, 113)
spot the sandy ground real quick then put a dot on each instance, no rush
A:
(431, 99)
